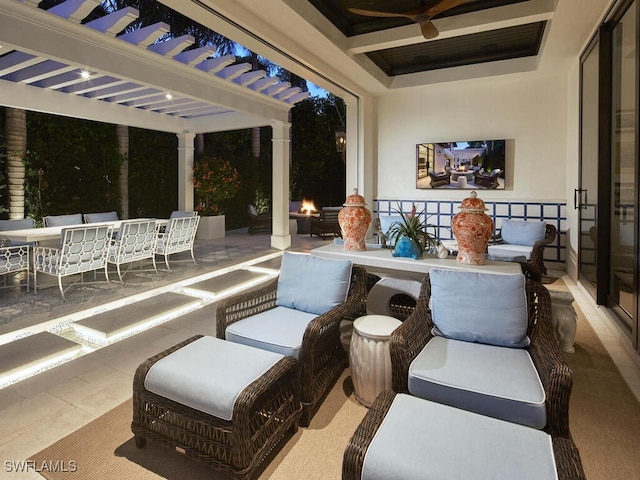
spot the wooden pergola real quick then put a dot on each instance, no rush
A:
(50, 62)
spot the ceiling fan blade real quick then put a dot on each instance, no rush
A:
(373, 13)
(429, 30)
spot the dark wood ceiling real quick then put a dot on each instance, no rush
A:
(487, 46)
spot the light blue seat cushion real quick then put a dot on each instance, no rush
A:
(278, 330)
(101, 217)
(63, 220)
(495, 381)
(209, 374)
(519, 232)
(420, 440)
(480, 307)
(312, 284)
(510, 250)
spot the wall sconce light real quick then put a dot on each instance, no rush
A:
(341, 139)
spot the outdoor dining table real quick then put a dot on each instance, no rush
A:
(35, 235)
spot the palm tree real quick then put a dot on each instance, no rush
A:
(16, 133)
(122, 134)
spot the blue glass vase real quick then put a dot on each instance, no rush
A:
(405, 247)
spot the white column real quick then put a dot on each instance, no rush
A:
(362, 141)
(185, 171)
(280, 239)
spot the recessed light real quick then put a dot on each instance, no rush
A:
(85, 74)
(169, 96)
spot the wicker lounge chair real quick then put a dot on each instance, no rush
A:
(487, 180)
(320, 353)
(567, 458)
(258, 223)
(327, 223)
(408, 340)
(439, 179)
(525, 238)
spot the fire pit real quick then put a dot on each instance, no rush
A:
(303, 215)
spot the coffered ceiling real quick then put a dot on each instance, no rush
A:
(475, 31)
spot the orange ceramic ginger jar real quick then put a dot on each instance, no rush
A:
(354, 219)
(472, 229)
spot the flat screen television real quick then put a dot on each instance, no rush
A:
(470, 164)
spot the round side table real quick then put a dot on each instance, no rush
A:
(370, 361)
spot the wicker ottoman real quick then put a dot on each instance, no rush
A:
(402, 436)
(224, 404)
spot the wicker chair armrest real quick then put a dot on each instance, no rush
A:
(243, 305)
(354, 454)
(245, 404)
(568, 462)
(408, 340)
(554, 373)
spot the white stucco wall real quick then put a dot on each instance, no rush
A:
(528, 110)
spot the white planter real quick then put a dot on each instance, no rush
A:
(210, 228)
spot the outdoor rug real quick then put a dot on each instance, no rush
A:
(605, 422)
(105, 449)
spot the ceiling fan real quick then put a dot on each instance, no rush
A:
(421, 15)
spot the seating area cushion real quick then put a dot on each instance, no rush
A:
(495, 381)
(208, 374)
(510, 250)
(101, 217)
(480, 307)
(312, 284)
(419, 439)
(278, 330)
(519, 232)
(63, 220)
(16, 224)
(182, 214)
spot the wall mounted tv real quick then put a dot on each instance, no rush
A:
(471, 164)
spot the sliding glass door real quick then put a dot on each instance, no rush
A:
(586, 196)
(607, 196)
(624, 171)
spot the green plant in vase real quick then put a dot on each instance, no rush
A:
(411, 236)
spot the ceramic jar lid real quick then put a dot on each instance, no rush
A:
(354, 200)
(473, 204)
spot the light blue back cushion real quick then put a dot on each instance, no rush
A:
(101, 217)
(63, 220)
(16, 224)
(519, 232)
(312, 284)
(479, 307)
(181, 214)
